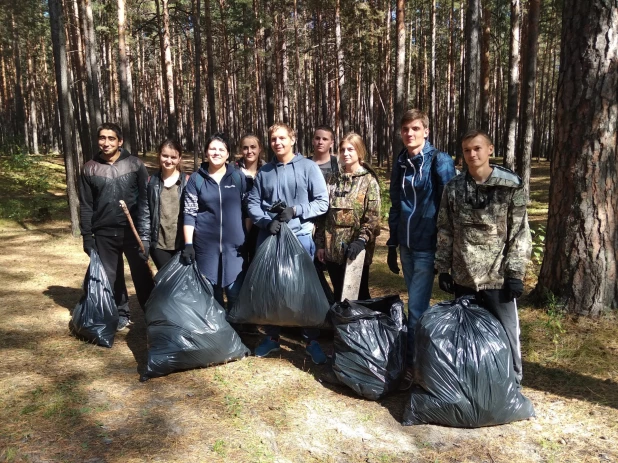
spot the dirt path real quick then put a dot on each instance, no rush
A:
(66, 401)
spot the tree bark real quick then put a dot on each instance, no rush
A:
(528, 96)
(473, 65)
(344, 117)
(485, 97)
(61, 68)
(400, 68)
(513, 88)
(212, 106)
(197, 96)
(580, 254)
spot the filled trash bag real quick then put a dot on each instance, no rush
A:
(95, 317)
(186, 327)
(281, 287)
(464, 370)
(370, 344)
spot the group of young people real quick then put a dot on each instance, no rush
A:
(472, 229)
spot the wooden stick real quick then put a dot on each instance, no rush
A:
(125, 209)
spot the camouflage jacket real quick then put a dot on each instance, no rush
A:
(483, 233)
(354, 213)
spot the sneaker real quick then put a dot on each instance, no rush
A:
(315, 351)
(123, 322)
(408, 380)
(268, 345)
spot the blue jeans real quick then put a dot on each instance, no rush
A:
(418, 274)
(309, 334)
(231, 291)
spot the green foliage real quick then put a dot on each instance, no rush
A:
(555, 319)
(538, 243)
(219, 447)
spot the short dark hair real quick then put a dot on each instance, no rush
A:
(219, 136)
(110, 126)
(413, 115)
(472, 133)
(326, 128)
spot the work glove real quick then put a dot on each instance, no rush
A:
(188, 255)
(513, 287)
(144, 255)
(273, 227)
(286, 214)
(446, 283)
(392, 260)
(89, 244)
(354, 249)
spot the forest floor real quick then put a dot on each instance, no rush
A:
(63, 400)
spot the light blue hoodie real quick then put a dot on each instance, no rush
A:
(298, 183)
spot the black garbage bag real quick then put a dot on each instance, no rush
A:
(281, 287)
(186, 327)
(464, 370)
(95, 317)
(370, 344)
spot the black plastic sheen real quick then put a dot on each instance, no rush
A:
(281, 287)
(95, 317)
(186, 327)
(464, 370)
(370, 344)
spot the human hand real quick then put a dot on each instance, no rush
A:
(392, 260)
(446, 283)
(514, 287)
(89, 244)
(187, 257)
(144, 255)
(321, 255)
(355, 248)
(286, 214)
(274, 227)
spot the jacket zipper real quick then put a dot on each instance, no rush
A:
(220, 221)
(414, 208)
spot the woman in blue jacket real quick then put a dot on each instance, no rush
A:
(213, 221)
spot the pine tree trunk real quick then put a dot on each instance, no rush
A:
(20, 113)
(344, 117)
(510, 142)
(212, 103)
(473, 65)
(197, 98)
(580, 254)
(485, 98)
(400, 68)
(61, 68)
(528, 95)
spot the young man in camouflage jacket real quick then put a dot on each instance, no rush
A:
(484, 240)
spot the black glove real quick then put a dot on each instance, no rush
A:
(286, 215)
(392, 260)
(354, 249)
(514, 287)
(144, 255)
(446, 283)
(188, 255)
(89, 244)
(274, 226)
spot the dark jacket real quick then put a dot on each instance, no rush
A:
(216, 212)
(416, 189)
(155, 185)
(102, 186)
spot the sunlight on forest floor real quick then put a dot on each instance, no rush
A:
(64, 400)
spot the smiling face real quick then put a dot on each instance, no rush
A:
(477, 152)
(322, 142)
(216, 154)
(281, 143)
(413, 135)
(250, 149)
(109, 143)
(348, 156)
(169, 159)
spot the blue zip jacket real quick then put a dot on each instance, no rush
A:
(299, 183)
(216, 212)
(416, 189)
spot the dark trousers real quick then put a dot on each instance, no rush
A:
(505, 310)
(337, 273)
(160, 257)
(111, 249)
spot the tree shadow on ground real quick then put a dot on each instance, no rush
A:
(64, 296)
(136, 336)
(570, 384)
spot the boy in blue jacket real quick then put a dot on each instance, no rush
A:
(299, 183)
(417, 181)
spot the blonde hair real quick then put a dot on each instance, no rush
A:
(357, 142)
(281, 125)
